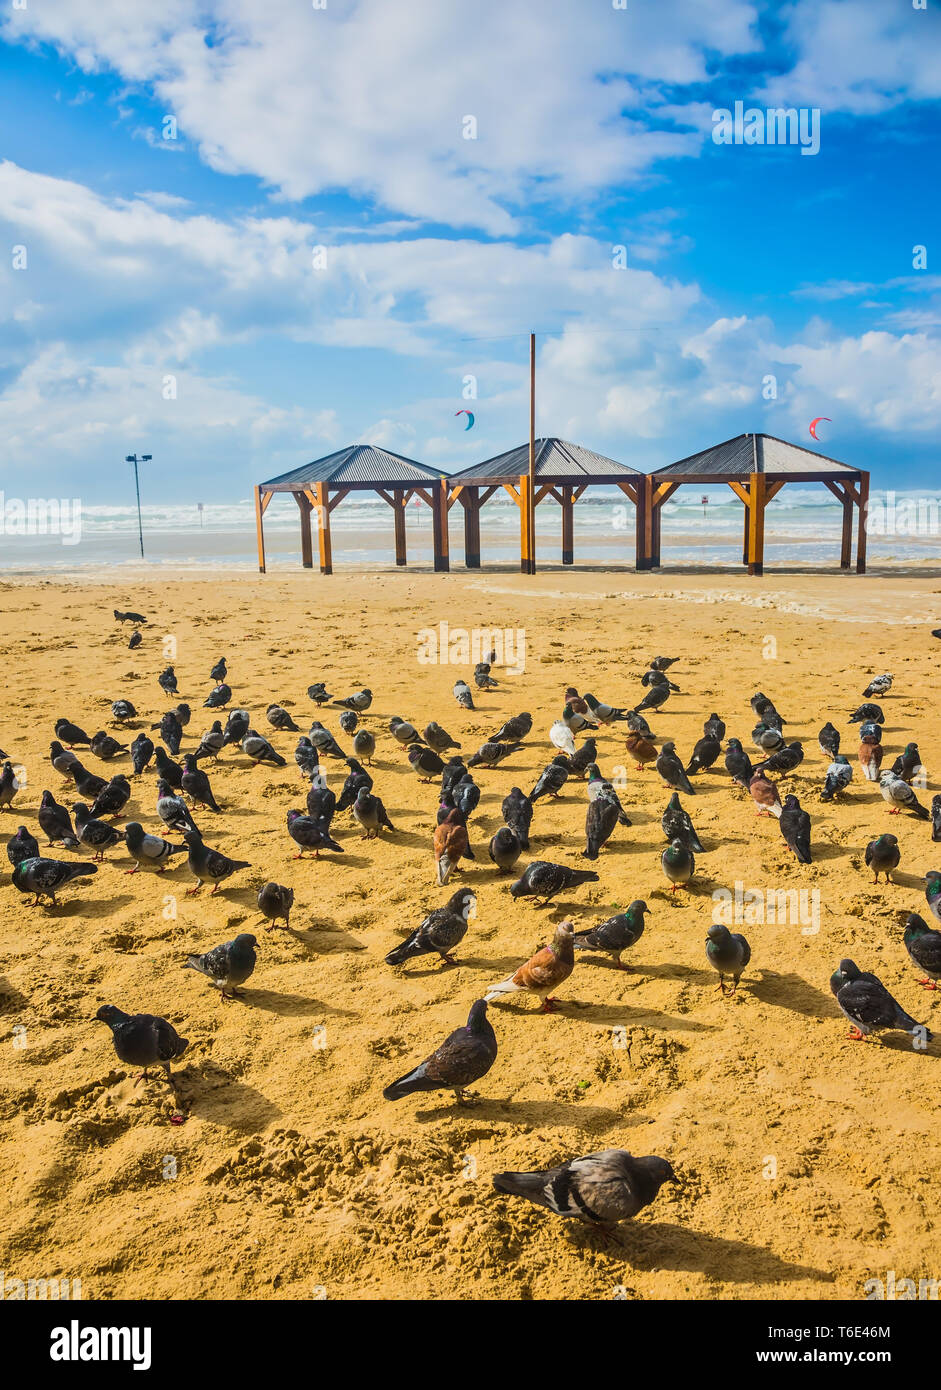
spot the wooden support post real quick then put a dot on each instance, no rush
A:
(640, 523)
(470, 501)
(649, 521)
(568, 525)
(399, 496)
(756, 530)
(655, 541)
(307, 549)
(863, 518)
(524, 524)
(321, 492)
(260, 505)
(439, 513)
(846, 548)
(746, 532)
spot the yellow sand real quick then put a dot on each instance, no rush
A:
(294, 1177)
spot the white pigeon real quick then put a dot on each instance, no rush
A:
(563, 738)
(879, 685)
(900, 796)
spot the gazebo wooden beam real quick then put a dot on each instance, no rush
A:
(307, 549)
(568, 524)
(863, 517)
(439, 513)
(756, 524)
(401, 496)
(322, 504)
(471, 502)
(262, 499)
(527, 542)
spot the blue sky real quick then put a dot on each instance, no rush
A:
(169, 302)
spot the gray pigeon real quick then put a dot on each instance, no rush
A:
(274, 902)
(464, 1057)
(600, 1189)
(43, 877)
(671, 769)
(615, 934)
(143, 1040)
(228, 965)
(440, 932)
(869, 1006)
(728, 953)
(901, 797)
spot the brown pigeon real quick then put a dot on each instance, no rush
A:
(765, 795)
(641, 750)
(450, 842)
(544, 971)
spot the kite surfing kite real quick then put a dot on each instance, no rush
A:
(815, 423)
(470, 418)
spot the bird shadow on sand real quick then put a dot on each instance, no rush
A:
(89, 907)
(905, 880)
(612, 1015)
(326, 939)
(288, 1005)
(219, 1098)
(11, 1000)
(791, 992)
(533, 1112)
(659, 1245)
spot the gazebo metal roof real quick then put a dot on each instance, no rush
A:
(358, 466)
(756, 453)
(556, 461)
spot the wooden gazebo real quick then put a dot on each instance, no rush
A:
(756, 467)
(319, 487)
(562, 471)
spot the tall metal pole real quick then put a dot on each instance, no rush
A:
(531, 500)
(140, 524)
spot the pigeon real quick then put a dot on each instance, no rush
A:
(22, 846)
(936, 816)
(544, 971)
(604, 714)
(839, 776)
(738, 764)
(765, 711)
(364, 743)
(882, 856)
(130, 617)
(279, 718)
(641, 749)
(705, 753)
(517, 812)
(87, 783)
(195, 784)
(208, 863)
(171, 730)
(260, 750)
(785, 760)
(615, 934)
(583, 758)
(728, 953)
(113, 798)
(465, 1056)
(908, 763)
(829, 740)
(576, 715)
(143, 1040)
(767, 737)
(869, 1006)
(425, 762)
(663, 663)
(172, 809)
(923, 945)
(93, 833)
(360, 701)
(655, 679)
(348, 721)
(714, 727)
(142, 750)
(135, 641)
(219, 671)
(451, 773)
(321, 803)
(600, 786)
(369, 812)
(678, 826)
(869, 714)
(440, 932)
(637, 724)
(600, 821)
(307, 757)
(104, 746)
(237, 725)
(167, 769)
(482, 677)
(879, 686)
(543, 879)
(308, 833)
(218, 698)
(324, 742)
(466, 794)
(211, 742)
(403, 732)
(450, 845)
(671, 770)
(900, 796)
(765, 795)
(514, 730)
(274, 902)
(55, 822)
(552, 779)
(356, 778)
(439, 739)
(43, 877)
(122, 710)
(9, 785)
(870, 730)
(228, 965)
(148, 850)
(62, 760)
(505, 849)
(561, 735)
(870, 758)
(933, 892)
(489, 754)
(70, 733)
(167, 681)
(600, 1189)
(795, 827)
(462, 693)
(656, 696)
(318, 693)
(183, 714)
(678, 863)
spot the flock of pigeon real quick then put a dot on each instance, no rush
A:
(600, 1189)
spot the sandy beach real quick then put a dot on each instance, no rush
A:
(806, 1160)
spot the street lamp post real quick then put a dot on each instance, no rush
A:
(144, 458)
